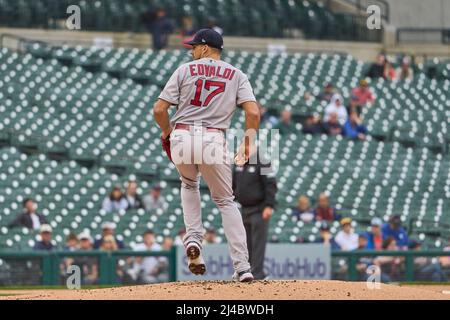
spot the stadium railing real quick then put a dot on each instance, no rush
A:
(20, 43)
(353, 259)
(49, 269)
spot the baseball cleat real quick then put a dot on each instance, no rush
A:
(243, 276)
(195, 260)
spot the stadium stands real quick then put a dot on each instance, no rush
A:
(268, 18)
(437, 68)
(75, 122)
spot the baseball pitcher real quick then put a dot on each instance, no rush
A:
(206, 92)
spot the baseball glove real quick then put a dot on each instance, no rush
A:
(166, 146)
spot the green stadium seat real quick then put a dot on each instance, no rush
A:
(275, 18)
(92, 107)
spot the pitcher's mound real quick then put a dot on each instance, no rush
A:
(222, 290)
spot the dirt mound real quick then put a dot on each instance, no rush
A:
(220, 290)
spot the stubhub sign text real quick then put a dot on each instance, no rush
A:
(283, 261)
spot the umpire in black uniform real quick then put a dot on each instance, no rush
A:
(256, 194)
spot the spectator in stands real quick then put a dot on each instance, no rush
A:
(134, 200)
(180, 236)
(336, 106)
(108, 230)
(71, 242)
(266, 119)
(167, 243)
(445, 260)
(389, 71)
(71, 246)
(425, 269)
(362, 241)
(46, 239)
(285, 125)
(45, 235)
(375, 236)
(376, 69)
(405, 72)
(212, 24)
(332, 126)
(188, 30)
(210, 236)
(327, 93)
(188, 26)
(389, 265)
(361, 96)
(362, 262)
(155, 200)
(324, 211)
(326, 237)
(87, 264)
(303, 210)
(354, 127)
(149, 267)
(29, 218)
(85, 241)
(313, 125)
(394, 229)
(109, 244)
(160, 26)
(115, 201)
(347, 239)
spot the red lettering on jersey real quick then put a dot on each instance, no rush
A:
(212, 71)
(226, 73)
(201, 69)
(207, 70)
(208, 84)
(192, 70)
(218, 72)
(232, 74)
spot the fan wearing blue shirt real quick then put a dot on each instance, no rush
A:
(394, 229)
(354, 128)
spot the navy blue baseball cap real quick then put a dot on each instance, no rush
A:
(209, 37)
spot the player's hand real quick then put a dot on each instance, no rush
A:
(267, 213)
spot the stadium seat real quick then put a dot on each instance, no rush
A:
(92, 109)
(268, 18)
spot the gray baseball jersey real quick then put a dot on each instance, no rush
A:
(207, 90)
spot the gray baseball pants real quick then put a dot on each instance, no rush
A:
(189, 149)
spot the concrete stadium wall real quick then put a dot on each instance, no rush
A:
(420, 13)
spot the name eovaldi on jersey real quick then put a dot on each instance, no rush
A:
(196, 70)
